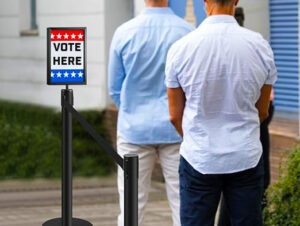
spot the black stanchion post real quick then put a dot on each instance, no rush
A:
(66, 211)
(66, 97)
(131, 166)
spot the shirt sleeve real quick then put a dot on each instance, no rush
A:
(116, 72)
(269, 63)
(170, 71)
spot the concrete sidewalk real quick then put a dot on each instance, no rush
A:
(30, 203)
(157, 214)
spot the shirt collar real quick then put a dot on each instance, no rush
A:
(216, 19)
(157, 10)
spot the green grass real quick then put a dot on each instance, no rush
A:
(30, 143)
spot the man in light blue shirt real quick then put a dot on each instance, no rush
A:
(219, 81)
(136, 85)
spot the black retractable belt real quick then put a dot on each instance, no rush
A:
(69, 43)
(95, 135)
(129, 164)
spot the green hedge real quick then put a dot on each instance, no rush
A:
(284, 197)
(30, 143)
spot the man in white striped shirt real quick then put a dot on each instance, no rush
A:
(219, 81)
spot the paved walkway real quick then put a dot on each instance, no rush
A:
(158, 214)
(30, 203)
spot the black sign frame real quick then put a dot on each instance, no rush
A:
(49, 29)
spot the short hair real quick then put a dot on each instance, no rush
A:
(223, 2)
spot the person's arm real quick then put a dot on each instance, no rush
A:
(266, 55)
(116, 72)
(177, 100)
(263, 102)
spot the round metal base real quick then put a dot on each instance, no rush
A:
(75, 222)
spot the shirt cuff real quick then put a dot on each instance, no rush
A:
(271, 80)
(172, 84)
(116, 100)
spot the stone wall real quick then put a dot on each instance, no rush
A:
(283, 138)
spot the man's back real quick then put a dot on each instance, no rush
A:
(142, 44)
(221, 67)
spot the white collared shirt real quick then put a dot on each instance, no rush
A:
(221, 68)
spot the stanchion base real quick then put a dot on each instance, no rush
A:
(75, 222)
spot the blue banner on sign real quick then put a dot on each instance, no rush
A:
(63, 76)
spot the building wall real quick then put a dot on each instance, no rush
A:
(139, 5)
(118, 12)
(285, 44)
(23, 59)
(190, 17)
(257, 16)
(256, 11)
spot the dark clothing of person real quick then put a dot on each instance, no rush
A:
(265, 140)
(224, 217)
(200, 195)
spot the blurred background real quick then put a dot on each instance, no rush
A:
(30, 123)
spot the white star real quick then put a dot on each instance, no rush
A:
(52, 75)
(80, 74)
(66, 74)
(73, 74)
(52, 36)
(58, 75)
(59, 36)
(73, 36)
(66, 36)
(80, 36)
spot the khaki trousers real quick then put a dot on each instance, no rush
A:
(168, 155)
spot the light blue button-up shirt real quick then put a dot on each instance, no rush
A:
(221, 68)
(136, 75)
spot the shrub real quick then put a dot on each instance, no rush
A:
(283, 207)
(30, 143)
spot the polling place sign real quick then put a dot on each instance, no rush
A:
(66, 56)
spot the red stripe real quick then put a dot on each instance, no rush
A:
(67, 35)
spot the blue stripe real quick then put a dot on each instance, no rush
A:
(64, 79)
(284, 41)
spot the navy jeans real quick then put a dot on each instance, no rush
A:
(200, 196)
